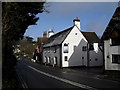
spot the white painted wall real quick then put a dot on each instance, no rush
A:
(76, 57)
(96, 54)
(108, 51)
(52, 55)
(75, 49)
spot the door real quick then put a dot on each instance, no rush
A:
(83, 61)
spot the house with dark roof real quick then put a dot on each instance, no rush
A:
(72, 47)
(41, 41)
(111, 38)
(37, 55)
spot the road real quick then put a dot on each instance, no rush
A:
(35, 75)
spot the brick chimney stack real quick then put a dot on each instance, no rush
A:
(45, 34)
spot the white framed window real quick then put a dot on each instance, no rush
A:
(66, 58)
(55, 60)
(84, 48)
(66, 48)
(45, 59)
(116, 58)
(48, 60)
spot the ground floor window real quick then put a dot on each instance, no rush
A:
(66, 58)
(45, 59)
(55, 60)
(116, 58)
(48, 60)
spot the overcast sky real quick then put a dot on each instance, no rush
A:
(94, 17)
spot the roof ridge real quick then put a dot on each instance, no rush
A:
(87, 32)
(57, 38)
(61, 31)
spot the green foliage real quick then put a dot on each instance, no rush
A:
(27, 47)
(16, 17)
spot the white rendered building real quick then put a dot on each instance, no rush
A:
(72, 47)
(111, 38)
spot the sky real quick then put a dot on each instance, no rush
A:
(94, 17)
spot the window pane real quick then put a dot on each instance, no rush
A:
(116, 59)
(65, 48)
(55, 60)
(115, 41)
(91, 47)
(66, 58)
(84, 48)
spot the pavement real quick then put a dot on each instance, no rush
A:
(95, 72)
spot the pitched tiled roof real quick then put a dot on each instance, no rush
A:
(91, 37)
(114, 25)
(58, 38)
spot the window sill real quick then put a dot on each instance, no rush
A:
(115, 63)
(114, 45)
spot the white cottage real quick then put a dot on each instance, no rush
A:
(111, 38)
(72, 47)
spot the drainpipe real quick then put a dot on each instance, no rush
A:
(88, 55)
(60, 62)
(103, 57)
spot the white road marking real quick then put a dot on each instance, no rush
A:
(64, 80)
(24, 85)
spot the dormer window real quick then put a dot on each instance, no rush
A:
(66, 48)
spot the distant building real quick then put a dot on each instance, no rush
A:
(72, 47)
(41, 41)
(111, 37)
(38, 50)
(27, 38)
(16, 50)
